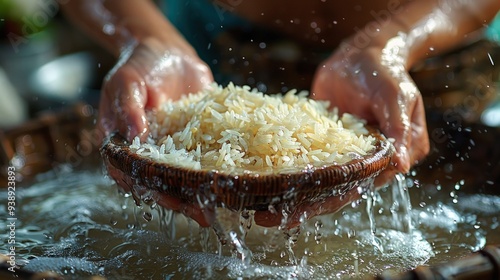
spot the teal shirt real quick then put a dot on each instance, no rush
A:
(239, 51)
(201, 22)
(222, 40)
(493, 31)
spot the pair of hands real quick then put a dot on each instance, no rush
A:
(369, 83)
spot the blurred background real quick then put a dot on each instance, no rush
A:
(45, 63)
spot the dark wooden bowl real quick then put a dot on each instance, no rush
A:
(249, 190)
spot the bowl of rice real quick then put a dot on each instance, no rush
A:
(243, 149)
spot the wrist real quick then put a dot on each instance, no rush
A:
(128, 23)
(380, 37)
(161, 35)
(394, 43)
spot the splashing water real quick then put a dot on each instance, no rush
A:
(371, 200)
(401, 206)
(79, 225)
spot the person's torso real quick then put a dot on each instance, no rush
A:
(279, 42)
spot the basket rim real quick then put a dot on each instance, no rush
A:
(242, 190)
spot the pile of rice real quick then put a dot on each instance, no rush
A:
(240, 129)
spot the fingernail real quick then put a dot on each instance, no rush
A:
(130, 132)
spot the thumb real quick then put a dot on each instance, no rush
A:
(123, 104)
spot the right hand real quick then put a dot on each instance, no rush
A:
(373, 83)
(145, 77)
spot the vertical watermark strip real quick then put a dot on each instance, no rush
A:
(11, 217)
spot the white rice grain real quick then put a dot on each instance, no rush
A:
(239, 128)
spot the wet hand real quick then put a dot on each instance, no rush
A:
(289, 217)
(373, 83)
(146, 76)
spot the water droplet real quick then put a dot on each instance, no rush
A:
(374, 73)
(147, 216)
(303, 217)
(108, 29)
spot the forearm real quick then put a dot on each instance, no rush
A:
(117, 24)
(429, 27)
(434, 26)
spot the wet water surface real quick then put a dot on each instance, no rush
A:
(77, 224)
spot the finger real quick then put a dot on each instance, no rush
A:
(420, 145)
(127, 98)
(122, 180)
(200, 76)
(392, 122)
(397, 105)
(267, 218)
(204, 216)
(105, 122)
(329, 86)
(306, 210)
(385, 177)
